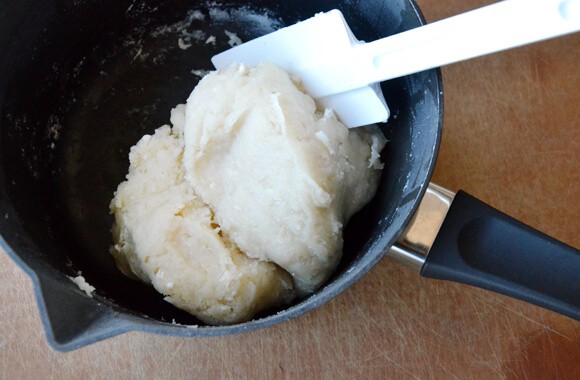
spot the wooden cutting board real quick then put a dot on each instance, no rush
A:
(512, 138)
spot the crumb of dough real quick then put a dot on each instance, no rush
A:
(234, 40)
(182, 44)
(239, 205)
(200, 72)
(83, 285)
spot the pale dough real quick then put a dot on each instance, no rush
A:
(240, 206)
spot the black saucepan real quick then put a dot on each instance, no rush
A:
(82, 80)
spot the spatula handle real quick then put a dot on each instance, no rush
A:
(493, 28)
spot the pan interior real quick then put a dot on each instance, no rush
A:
(83, 81)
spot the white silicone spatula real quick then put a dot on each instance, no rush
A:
(343, 73)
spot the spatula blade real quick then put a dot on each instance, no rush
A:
(303, 49)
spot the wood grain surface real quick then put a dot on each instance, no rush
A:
(511, 138)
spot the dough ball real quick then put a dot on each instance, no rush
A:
(240, 206)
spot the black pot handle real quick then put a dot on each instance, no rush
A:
(481, 246)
